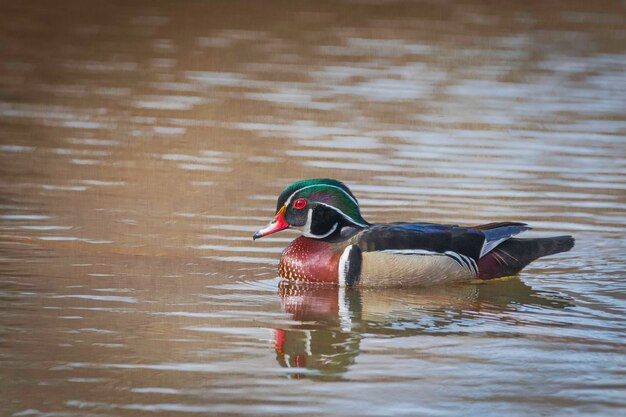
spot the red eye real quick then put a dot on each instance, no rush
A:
(299, 204)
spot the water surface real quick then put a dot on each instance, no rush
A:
(142, 144)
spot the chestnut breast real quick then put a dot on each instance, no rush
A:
(310, 260)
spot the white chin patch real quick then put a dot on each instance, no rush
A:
(311, 235)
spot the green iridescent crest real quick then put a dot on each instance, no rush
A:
(326, 191)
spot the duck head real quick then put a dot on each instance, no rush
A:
(319, 208)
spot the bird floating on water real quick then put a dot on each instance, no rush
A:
(339, 247)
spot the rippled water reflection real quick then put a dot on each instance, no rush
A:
(142, 144)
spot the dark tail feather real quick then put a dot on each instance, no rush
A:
(512, 255)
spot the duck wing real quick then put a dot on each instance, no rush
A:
(417, 237)
(474, 242)
(416, 253)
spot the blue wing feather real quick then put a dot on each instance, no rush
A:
(496, 233)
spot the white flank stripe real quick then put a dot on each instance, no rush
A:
(344, 264)
(413, 252)
(455, 256)
(467, 262)
(345, 319)
(474, 265)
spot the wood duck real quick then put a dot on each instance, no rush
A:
(339, 247)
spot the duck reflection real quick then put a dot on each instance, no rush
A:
(332, 321)
(322, 343)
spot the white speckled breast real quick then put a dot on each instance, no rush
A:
(310, 260)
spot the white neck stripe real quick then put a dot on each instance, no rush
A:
(309, 234)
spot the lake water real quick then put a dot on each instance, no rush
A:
(142, 144)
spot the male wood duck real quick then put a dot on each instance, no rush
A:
(339, 247)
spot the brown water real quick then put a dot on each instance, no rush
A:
(142, 145)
